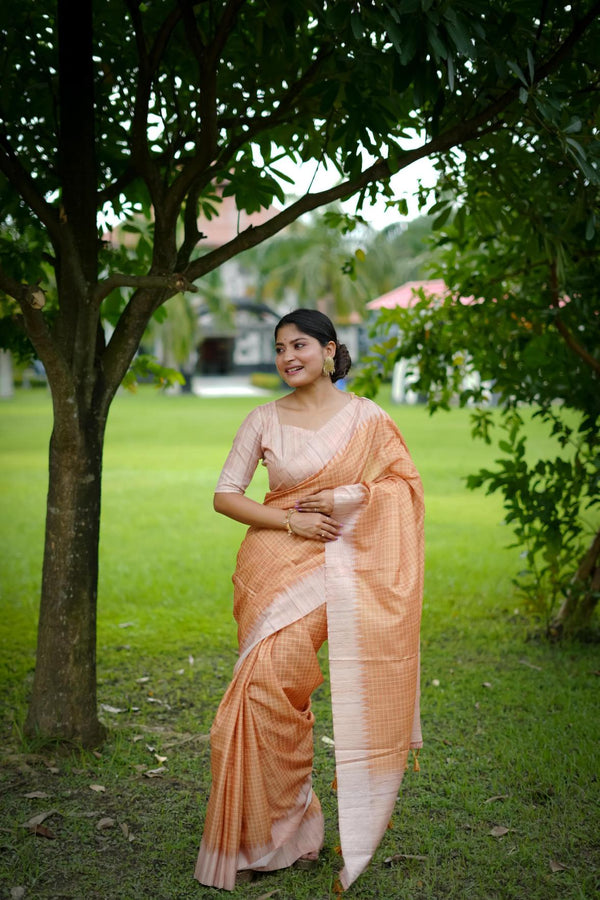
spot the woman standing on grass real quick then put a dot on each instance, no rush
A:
(335, 552)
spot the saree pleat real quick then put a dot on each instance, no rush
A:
(367, 588)
(262, 812)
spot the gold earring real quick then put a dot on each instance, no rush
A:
(328, 366)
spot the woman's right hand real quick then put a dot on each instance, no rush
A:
(315, 526)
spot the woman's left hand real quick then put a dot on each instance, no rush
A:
(321, 502)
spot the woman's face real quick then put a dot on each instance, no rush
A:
(299, 357)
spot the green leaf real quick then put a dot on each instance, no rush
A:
(441, 220)
(575, 125)
(590, 228)
(356, 25)
(518, 71)
(450, 62)
(531, 65)
(459, 37)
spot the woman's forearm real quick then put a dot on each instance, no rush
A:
(249, 512)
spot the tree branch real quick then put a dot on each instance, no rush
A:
(174, 283)
(162, 38)
(564, 332)
(192, 234)
(208, 62)
(190, 178)
(139, 129)
(257, 124)
(575, 346)
(133, 321)
(455, 136)
(125, 340)
(26, 186)
(223, 30)
(379, 171)
(76, 134)
(37, 330)
(116, 187)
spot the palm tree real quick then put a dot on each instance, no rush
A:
(309, 265)
(312, 264)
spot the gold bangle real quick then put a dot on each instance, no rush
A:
(288, 524)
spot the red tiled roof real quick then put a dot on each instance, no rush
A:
(405, 296)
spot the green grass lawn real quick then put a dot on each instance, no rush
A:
(511, 725)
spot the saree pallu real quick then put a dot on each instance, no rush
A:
(363, 592)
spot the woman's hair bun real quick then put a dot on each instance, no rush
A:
(342, 362)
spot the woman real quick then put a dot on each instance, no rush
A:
(335, 552)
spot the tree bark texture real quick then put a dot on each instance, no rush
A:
(63, 703)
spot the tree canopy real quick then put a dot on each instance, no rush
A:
(519, 234)
(124, 108)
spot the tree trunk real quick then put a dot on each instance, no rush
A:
(63, 703)
(7, 388)
(582, 596)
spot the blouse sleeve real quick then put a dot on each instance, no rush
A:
(243, 457)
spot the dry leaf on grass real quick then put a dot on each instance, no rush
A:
(111, 709)
(327, 740)
(107, 822)
(270, 894)
(17, 893)
(98, 788)
(556, 866)
(42, 831)
(39, 818)
(499, 831)
(36, 795)
(155, 773)
(524, 662)
(126, 832)
(160, 702)
(486, 684)
(185, 739)
(497, 797)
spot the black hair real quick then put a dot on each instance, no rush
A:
(319, 326)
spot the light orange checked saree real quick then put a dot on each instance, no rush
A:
(363, 593)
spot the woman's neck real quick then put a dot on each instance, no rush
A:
(319, 394)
